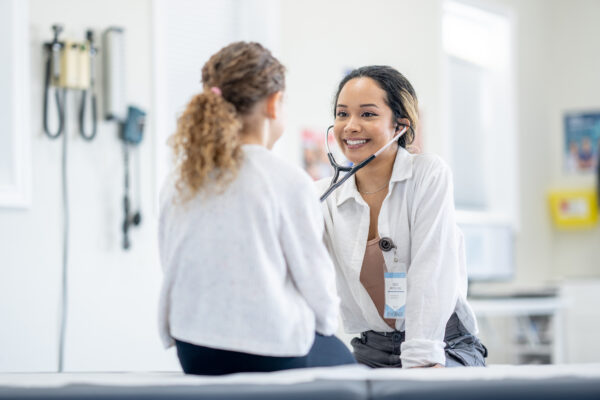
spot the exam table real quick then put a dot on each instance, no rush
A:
(571, 382)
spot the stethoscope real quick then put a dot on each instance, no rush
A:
(385, 244)
(337, 168)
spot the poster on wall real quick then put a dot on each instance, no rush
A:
(582, 141)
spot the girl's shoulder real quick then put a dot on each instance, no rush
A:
(287, 176)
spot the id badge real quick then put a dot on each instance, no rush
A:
(395, 294)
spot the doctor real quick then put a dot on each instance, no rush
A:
(392, 234)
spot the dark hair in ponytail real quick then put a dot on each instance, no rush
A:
(207, 144)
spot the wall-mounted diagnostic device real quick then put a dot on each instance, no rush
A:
(51, 83)
(87, 82)
(113, 43)
(69, 67)
(131, 135)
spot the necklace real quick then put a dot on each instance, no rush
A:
(375, 191)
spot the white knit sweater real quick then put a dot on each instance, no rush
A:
(247, 270)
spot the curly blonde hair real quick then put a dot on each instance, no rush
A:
(206, 144)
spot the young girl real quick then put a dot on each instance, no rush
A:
(392, 233)
(248, 280)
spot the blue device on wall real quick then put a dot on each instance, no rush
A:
(133, 127)
(132, 133)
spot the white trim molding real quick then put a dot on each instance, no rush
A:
(17, 194)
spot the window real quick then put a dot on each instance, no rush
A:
(481, 134)
(187, 33)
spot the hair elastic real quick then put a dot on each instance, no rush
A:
(216, 90)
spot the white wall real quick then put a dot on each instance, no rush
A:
(534, 238)
(557, 72)
(322, 40)
(113, 294)
(572, 85)
(582, 316)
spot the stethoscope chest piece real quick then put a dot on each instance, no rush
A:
(386, 244)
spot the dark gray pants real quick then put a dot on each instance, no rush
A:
(382, 349)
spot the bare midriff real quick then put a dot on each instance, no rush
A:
(371, 277)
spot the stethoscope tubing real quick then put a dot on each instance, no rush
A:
(350, 170)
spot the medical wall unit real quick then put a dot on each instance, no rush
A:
(70, 69)
(113, 42)
(573, 209)
(131, 134)
(535, 325)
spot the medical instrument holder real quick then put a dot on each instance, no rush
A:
(131, 134)
(70, 66)
(84, 95)
(53, 50)
(114, 76)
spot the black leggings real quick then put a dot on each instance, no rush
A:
(198, 360)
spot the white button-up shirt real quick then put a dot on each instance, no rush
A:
(418, 215)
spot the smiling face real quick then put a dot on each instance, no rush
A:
(364, 123)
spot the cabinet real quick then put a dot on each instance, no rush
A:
(534, 328)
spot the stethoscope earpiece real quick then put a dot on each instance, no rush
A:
(402, 125)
